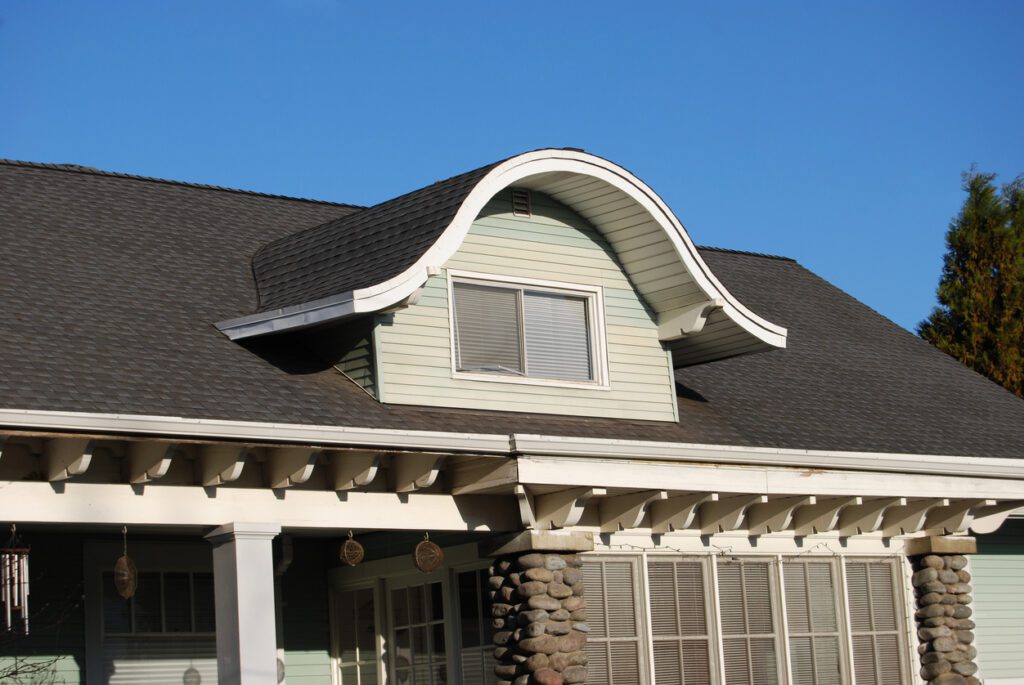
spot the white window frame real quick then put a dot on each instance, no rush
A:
(594, 297)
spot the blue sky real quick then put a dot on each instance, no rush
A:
(832, 132)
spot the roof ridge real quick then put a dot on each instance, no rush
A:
(727, 250)
(93, 171)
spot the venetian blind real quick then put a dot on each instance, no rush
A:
(557, 338)
(487, 333)
(679, 622)
(874, 623)
(613, 646)
(748, 623)
(811, 612)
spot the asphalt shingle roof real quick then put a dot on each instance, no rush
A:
(110, 286)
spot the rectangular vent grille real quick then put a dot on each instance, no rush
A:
(521, 202)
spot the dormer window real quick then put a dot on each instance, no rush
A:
(527, 331)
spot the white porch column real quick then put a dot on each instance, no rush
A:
(243, 580)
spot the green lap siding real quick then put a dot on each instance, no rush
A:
(57, 631)
(554, 244)
(998, 580)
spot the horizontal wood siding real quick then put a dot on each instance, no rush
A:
(357, 363)
(998, 580)
(307, 654)
(554, 244)
(57, 635)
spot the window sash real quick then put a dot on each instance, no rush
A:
(615, 647)
(519, 331)
(876, 623)
(813, 625)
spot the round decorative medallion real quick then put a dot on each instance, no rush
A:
(351, 552)
(126, 577)
(427, 556)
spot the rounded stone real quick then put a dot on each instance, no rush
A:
(545, 644)
(575, 641)
(944, 644)
(515, 579)
(539, 574)
(936, 621)
(501, 653)
(495, 582)
(582, 627)
(500, 622)
(955, 656)
(933, 561)
(964, 576)
(933, 633)
(558, 627)
(948, 576)
(936, 668)
(544, 602)
(502, 636)
(559, 591)
(948, 599)
(506, 670)
(506, 593)
(532, 588)
(933, 586)
(553, 563)
(964, 624)
(537, 662)
(560, 615)
(931, 598)
(571, 576)
(923, 648)
(965, 668)
(532, 560)
(579, 589)
(957, 562)
(962, 612)
(965, 637)
(534, 616)
(949, 679)
(965, 599)
(931, 611)
(578, 615)
(535, 629)
(575, 674)
(519, 658)
(960, 588)
(499, 609)
(548, 676)
(931, 657)
(925, 575)
(971, 680)
(574, 603)
(522, 680)
(564, 660)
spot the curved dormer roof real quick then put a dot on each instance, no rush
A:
(378, 258)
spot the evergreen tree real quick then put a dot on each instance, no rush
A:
(980, 317)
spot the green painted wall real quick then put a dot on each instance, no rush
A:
(57, 620)
(998, 580)
(357, 360)
(305, 614)
(554, 244)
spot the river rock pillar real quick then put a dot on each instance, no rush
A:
(943, 592)
(538, 609)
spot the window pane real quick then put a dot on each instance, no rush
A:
(202, 596)
(487, 333)
(469, 609)
(147, 604)
(177, 603)
(117, 611)
(366, 631)
(557, 336)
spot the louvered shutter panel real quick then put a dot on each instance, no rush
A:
(487, 329)
(557, 336)
(874, 623)
(613, 646)
(812, 621)
(679, 622)
(748, 623)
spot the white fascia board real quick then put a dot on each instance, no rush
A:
(392, 291)
(985, 467)
(254, 431)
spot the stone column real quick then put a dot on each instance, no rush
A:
(944, 626)
(538, 608)
(243, 583)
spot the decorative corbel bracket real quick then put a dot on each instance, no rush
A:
(956, 517)
(727, 514)
(67, 457)
(822, 516)
(679, 512)
(867, 517)
(526, 507)
(220, 464)
(349, 470)
(148, 461)
(412, 472)
(909, 518)
(681, 323)
(776, 514)
(625, 512)
(287, 466)
(988, 519)
(564, 508)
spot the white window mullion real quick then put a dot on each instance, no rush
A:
(648, 625)
(720, 646)
(780, 585)
(845, 596)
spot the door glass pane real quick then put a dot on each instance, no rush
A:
(418, 644)
(177, 603)
(203, 608)
(146, 603)
(117, 611)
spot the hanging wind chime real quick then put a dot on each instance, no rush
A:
(351, 552)
(427, 556)
(126, 576)
(14, 583)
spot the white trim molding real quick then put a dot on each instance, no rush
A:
(528, 170)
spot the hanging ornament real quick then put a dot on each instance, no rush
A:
(351, 552)
(126, 576)
(14, 583)
(427, 556)
(191, 676)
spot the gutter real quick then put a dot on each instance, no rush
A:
(511, 445)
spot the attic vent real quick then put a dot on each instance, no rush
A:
(521, 202)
